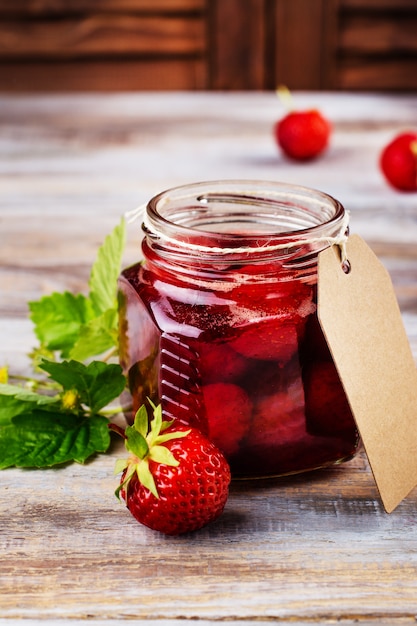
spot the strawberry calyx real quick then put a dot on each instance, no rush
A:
(144, 441)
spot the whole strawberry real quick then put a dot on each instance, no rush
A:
(175, 480)
(302, 135)
(398, 162)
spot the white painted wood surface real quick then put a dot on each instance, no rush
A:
(309, 549)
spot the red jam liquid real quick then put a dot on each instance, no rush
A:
(246, 364)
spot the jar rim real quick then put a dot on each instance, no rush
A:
(207, 209)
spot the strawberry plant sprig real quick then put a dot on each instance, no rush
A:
(78, 326)
(61, 414)
(40, 430)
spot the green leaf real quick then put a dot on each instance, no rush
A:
(15, 400)
(36, 430)
(43, 439)
(106, 270)
(58, 319)
(95, 337)
(97, 383)
(78, 326)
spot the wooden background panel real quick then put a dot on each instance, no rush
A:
(298, 43)
(343, 44)
(237, 44)
(36, 7)
(95, 35)
(102, 45)
(378, 5)
(378, 74)
(368, 35)
(208, 44)
(376, 45)
(102, 75)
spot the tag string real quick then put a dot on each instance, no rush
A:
(339, 239)
(344, 261)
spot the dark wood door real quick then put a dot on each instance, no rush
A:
(316, 44)
(55, 45)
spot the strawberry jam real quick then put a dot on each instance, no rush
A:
(219, 324)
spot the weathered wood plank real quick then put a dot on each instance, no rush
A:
(378, 5)
(377, 74)
(46, 7)
(392, 621)
(237, 44)
(317, 548)
(298, 59)
(287, 549)
(95, 35)
(104, 75)
(367, 35)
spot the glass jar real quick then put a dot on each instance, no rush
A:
(219, 323)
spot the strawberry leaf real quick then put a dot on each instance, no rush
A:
(15, 400)
(79, 326)
(43, 439)
(106, 270)
(97, 383)
(96, 336)
(58, 319)
(43, 430)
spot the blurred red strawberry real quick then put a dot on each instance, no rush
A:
(398, 162)
(302, 135)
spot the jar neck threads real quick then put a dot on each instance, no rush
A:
(217, 224)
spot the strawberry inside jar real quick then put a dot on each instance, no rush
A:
(219, 323)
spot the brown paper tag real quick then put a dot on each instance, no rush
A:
(362, 323)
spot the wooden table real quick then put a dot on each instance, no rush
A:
(316, 548)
